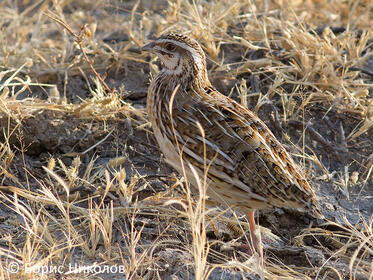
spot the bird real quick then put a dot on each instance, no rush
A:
(202, 131)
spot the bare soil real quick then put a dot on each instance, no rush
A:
(342, 179)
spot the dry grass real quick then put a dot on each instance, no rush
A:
(82, 182)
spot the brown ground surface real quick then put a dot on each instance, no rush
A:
(35, 136)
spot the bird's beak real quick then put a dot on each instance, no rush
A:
(148, 47)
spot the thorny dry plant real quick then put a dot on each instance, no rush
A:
(64, 199)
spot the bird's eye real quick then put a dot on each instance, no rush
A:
(170, 47)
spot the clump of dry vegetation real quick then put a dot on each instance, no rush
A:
(83, 183)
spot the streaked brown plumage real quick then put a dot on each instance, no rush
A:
(249, 169)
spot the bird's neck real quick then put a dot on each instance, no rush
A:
(185, 86)
(188, 78)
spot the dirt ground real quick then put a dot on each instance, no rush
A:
(75, 153)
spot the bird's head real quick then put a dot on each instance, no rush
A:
(180, 54)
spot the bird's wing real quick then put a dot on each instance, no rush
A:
(211, 129)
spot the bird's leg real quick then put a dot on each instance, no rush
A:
(255, 241)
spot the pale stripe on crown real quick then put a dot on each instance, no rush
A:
(196, 56)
